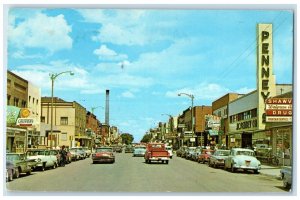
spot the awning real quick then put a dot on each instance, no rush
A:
(213, 132)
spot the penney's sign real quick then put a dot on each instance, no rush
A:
(265, 78)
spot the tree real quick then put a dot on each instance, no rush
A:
(146, 138)
(127, 138)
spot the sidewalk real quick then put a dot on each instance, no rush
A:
(273, 171)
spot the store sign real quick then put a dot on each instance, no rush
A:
(279, 110)
(279, 119)
(266, 86)
(25, 122)
(12, 114)
(246, 124)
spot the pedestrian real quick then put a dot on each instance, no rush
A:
(63, 156)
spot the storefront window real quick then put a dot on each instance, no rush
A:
(283, 138)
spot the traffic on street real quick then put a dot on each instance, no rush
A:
(130, 173)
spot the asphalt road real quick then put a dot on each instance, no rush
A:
(132, 175)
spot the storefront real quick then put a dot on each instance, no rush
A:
(16, 139)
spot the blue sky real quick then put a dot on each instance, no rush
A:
(145, 57)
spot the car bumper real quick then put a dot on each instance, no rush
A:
(247, 167)
(103, 159)
(139, 154)
(159, 158)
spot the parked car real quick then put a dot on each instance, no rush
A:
(45, 158)
(139, 150)
(286, 176)
(75, 155)
(196, 153)
(241, 158)
(81, 151)
(21, 165)
(185, 152)
(190, 152)
(10, 170)
(170, 150)
(180, 151)
(205, 155)
(87, 151)
(217, 159)
(103, 154)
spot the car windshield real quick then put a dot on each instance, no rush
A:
(222, 153)
(246, 153)
(12, 157)
(35, 153)
(104, 150)
(140, 148)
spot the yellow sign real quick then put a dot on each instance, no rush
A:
(25, 112)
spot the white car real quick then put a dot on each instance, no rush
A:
(240, 158)
(45, 158)
(170, 150)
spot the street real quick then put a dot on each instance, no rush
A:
(132, 174)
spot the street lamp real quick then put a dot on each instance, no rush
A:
(192, 112)
(53, 77)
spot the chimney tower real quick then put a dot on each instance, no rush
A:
(107, 108)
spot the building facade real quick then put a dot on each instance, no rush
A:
(69, 120)
(198, 136)
(220, 109)
(17, 96)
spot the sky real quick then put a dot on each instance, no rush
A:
(145, 57)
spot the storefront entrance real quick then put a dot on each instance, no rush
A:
(246, 140)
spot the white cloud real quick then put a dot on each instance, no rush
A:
(127, 27)
(128, 94)
(245, 90)
(40, 31)
(20, 55)
(105, 53)
(40, 75)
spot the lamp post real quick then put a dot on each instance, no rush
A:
(53, 77)
(192, 111)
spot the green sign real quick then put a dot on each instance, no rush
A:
(12, 114)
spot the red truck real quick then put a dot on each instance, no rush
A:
(156, 152)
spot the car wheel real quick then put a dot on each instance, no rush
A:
(54, 165)
(286, 185)
(17, 173)
(255, 171)
(232, 168)
(43, 167)
(11, 176)
(29, 172)
(167, 162)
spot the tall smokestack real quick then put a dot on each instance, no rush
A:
(107, 108)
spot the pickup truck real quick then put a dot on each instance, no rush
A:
(156, 152)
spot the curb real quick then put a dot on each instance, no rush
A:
(278, 177)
